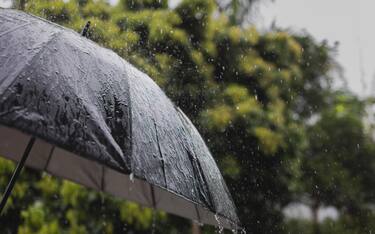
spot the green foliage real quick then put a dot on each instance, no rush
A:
(338, 169)
(263, 102)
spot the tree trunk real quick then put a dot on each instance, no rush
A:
(315, 221)
(19, 4)
(195, 228)
(22, 5)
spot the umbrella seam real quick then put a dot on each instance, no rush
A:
(130, 120)
(201, 174)
(14, 29)
(161, 154)
(49, 157)
(183, 118)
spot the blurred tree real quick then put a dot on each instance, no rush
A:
(262, 80)
(20, 4)
(339, 167)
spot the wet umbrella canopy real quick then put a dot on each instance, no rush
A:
(102, 123)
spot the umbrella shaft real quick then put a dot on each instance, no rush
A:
(16, 173)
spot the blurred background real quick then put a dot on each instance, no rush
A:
(282, 92)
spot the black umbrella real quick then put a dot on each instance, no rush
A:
(80, 112)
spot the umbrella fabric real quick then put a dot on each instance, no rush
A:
(102, 123)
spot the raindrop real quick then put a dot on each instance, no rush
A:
(220, 227)
(131, 177)
(153, 226)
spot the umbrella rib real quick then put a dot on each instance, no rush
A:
(161, 154)
(49, 158)
(102, 185)
(153, 196)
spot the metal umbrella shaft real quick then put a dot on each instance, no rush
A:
(16, 173)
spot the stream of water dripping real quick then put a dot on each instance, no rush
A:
(220, 227)
(153, 226)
